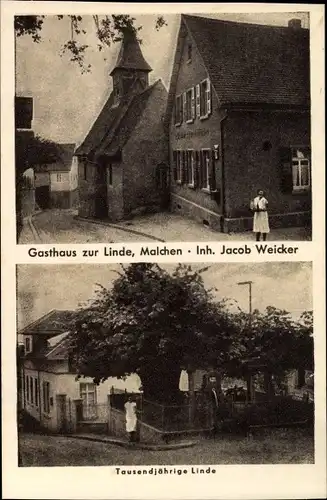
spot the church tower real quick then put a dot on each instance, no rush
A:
(131, 68)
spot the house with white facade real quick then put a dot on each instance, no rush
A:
(51, 393)
(56, 184)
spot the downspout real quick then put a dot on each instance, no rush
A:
(223, 201)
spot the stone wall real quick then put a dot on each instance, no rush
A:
(117, 428)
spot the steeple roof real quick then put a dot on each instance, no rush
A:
(130, 55)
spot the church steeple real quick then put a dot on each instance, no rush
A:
(131, 67)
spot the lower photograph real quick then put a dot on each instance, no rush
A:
(156, 364)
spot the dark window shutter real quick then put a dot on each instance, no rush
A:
(201, 167)
(212, 181)
(196, 169)
(175, 165)
(286, 177)
(184, 167)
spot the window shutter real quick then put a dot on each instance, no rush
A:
(175, 165)
(208, 97)
(193, 104)
(184, 106)
(201, 167)
(197, 93)
(193, 166)
(184, 167)
(196, 169)
(212, 173)
(286, 177)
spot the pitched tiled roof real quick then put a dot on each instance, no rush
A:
(130, 55)
(112, 129)
(54, 323)
(253, 64)
(120, 133)
(100, 127)
(64, 162)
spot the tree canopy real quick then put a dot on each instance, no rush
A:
(155, 324)
(272, 341)
(108, 30)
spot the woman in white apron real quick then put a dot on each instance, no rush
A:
(131, 419)
(260, 218)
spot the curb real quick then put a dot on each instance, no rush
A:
(121, 228)
(135, 446)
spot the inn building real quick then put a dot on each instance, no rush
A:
(238, 120)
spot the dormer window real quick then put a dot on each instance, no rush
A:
(189, 53)
(28, 345)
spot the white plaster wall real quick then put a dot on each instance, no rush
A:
(42, 179)
(74, 174)
(63, 184)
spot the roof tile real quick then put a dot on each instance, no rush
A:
(254, 64)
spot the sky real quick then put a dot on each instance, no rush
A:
(285, 285)
(67, 102)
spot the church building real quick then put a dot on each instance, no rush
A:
(123, 160)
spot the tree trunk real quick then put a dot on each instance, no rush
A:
(161, 385)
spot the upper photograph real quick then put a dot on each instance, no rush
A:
(166, 128)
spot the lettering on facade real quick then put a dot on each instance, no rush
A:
(194, 133)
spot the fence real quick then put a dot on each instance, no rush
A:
(175, 418)
(279, 410)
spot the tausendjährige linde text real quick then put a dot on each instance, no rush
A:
(164, 250)
(162, 471)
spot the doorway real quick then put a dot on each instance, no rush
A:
(61, 412)
(163, 184)
(42, 197)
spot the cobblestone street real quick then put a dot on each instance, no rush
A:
(63, 226)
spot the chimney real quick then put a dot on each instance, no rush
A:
(295, 24)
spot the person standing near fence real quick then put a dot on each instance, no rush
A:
(260, 219)
(131, 419)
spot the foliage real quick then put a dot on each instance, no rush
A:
(272, 341)
(108, 29)
(154, 324)
(42, 151)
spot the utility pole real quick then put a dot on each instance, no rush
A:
(249, 284)
(250, 386)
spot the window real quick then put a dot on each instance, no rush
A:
(84, 170)
(59, 177)
(205, 169)
(203, 99)
(27, 345)
(36, 392)
(190, 157)
(179, 166)
(32, 390)
(46, 397)
(189, 53)
(300, 169)
(189, 105)
(110, 174)
(88, 393)
(178, 110)
(27, 388)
